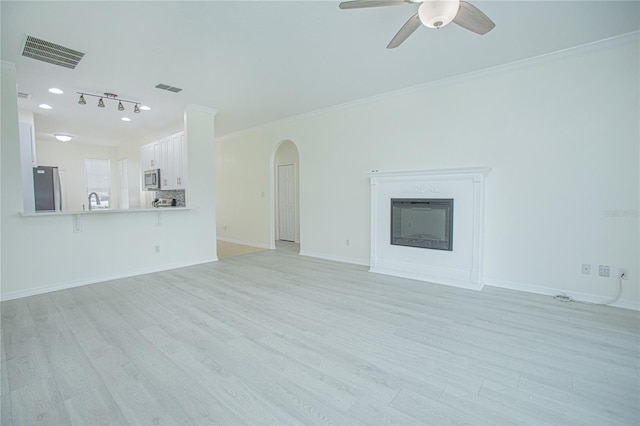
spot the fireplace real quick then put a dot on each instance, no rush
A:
(423, 223)
(415, 232)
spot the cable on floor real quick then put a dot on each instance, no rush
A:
(563, 297)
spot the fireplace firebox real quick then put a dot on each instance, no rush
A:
(422, 223)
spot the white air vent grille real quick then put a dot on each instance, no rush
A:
(168, 88)
(52, 53)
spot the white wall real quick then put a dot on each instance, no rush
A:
(561, 134)
(131, 151)
(70, 158)
(43, 253)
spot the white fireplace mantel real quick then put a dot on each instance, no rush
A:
(461, 267)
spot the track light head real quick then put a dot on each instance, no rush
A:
(101, 103)
(81, 101)
(120, 106)
(136, 108)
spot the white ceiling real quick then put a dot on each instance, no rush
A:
(261, 61)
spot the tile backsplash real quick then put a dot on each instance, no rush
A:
(178, 194)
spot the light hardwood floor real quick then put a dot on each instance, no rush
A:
(226, 249)
(277, 338)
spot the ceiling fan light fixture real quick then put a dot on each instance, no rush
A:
(438, 13)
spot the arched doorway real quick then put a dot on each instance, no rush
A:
(285, 197)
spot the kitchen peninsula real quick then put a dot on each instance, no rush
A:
(113, 244)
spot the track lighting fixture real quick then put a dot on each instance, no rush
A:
(109, 97)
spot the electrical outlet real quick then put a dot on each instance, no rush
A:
(604, 271)
(586, 269)
(623, 273)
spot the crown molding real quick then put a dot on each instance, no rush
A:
(534, 60)
(203, 109)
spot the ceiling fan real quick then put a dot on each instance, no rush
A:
(433, 14)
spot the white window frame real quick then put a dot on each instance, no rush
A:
(103, 191)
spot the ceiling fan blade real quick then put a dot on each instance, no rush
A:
(472, 19)
(360, 4)
(407, 29)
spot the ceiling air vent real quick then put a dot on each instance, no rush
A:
(52, 53)
(22, 95)
(168, 88)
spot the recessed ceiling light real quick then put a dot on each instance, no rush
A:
(145, 108)
(63, 138)
(56, 91)
(125, 119)
(45, 106)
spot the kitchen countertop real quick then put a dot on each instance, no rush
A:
(102, 211)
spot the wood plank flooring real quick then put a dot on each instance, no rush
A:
(227, 249)
(276, 338)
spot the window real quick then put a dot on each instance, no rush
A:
(98, 174)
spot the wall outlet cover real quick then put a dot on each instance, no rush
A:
(604, 271)
(586, 269)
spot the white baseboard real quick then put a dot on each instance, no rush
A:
(246, 243)
(351, 260)
(425, 277)
(549, 291)
(511, 285)
(48, 289)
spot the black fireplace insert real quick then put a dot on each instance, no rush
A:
(423, 223)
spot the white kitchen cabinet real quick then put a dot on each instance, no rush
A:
(150, 156)
(166, 164)
(168, 155)
(147, 157)
(179, 160)
(156, 158)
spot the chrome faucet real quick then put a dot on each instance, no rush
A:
(97, 199)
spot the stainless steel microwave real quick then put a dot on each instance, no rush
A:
(152, 180)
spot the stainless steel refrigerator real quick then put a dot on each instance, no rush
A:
(46, 188)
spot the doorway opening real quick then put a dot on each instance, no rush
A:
(285, 221)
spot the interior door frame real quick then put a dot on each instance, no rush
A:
(277, 197)
(272, 193)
